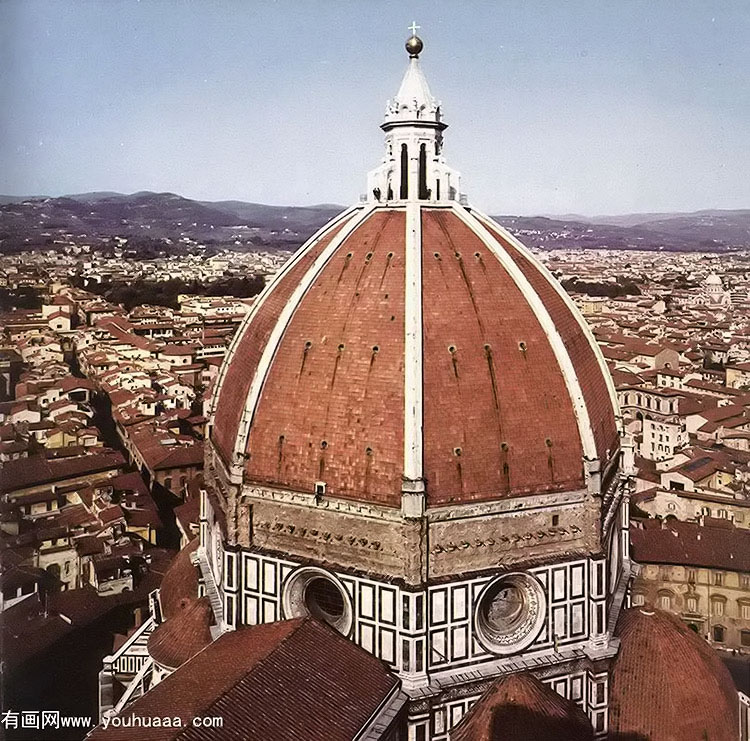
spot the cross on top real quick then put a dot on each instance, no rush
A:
(413, 28)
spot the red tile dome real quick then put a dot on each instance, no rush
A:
(182, 635)
(415, 332)
(668, 684)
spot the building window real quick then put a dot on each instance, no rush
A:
(691, 575)
(717, 607)
(638, 600)
(723, 514)
(745, 581)
(718, 578)
(718, 634)
(745, 610)
(692, 604)
(745, 637)
(665, 601)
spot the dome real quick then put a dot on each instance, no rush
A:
(414, 331)
(182, 635)
(521, 708)
(667, 683)
(180, 582)
(713, 280)
(414, 352)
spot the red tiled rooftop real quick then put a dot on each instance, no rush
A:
(180, 582)
(38, 470)
(283, 681)
(713, 545)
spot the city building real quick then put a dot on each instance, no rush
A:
(700, 572)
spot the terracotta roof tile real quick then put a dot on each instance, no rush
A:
(180, 637)
(37, 470)
(521, 708)
(668, 684)
(498, 419)
(690, 544)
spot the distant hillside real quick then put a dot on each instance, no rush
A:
(149, 217)
(278, 217)
(675, 232)
(729, 227)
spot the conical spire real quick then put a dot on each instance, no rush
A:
(414, 101)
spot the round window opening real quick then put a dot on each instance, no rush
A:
(324, 601)
(510, 613)
(315, 592)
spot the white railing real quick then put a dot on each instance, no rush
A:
(130, 657)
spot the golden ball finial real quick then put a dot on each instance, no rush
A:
(414, 45)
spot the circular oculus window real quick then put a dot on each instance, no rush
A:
(509, 613)
(316, 592)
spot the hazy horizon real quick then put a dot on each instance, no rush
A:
(591, 108)
(328, 204)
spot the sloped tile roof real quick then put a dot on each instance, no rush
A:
(294, 680)
(521, 708)
(713, 545)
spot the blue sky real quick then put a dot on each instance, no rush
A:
(553, 107)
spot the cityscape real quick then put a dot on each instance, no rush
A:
(393, 470)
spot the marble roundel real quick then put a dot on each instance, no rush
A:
(509, 613)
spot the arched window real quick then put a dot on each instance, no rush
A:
(404, 172)
(423, 193)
